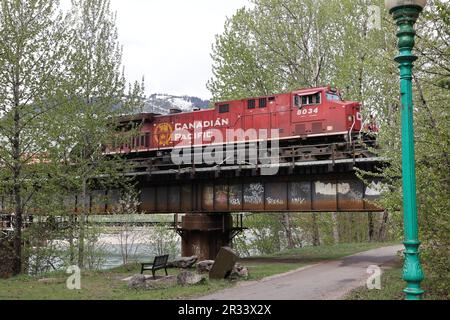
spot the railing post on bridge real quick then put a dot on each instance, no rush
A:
(406, 13)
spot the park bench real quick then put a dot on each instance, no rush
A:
(159, 263)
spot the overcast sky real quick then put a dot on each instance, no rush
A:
(169, 41)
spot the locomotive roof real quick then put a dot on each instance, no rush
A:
(299, 91)
(150, 116)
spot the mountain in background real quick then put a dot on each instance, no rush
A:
(162, 103)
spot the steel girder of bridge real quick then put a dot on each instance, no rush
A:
(207, 197)
(342, 192)
(320, 188)
(317, 188)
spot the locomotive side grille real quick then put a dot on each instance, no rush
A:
(300, 129)
(317, 127)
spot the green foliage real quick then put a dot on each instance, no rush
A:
(312, 43)
(432, 135)
(32, 54)
(164, 241)
(61, 91)
(263, 236)
(99, 285)
(280, 45)
(93, 97)
(95, 251)
(392, 286)
(268, 233)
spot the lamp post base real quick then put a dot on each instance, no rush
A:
(412, 271)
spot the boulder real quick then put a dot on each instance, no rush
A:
(239, 272)
(189, 278)
(183, 262)
(204, 266)
(146, 282)
(137, 281)
(223, 264)
(160, 283)
(51, 281)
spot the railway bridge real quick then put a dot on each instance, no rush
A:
(208, 202)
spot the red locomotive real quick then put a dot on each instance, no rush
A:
(303, 118)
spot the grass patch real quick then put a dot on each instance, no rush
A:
(260, 271)
(107, 285)
(98, 286)
(321, 253)
(288, 260)
(392, 286)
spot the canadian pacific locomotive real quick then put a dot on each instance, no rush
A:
(311, 124)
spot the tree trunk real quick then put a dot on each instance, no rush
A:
(316, 236)
(71, 238)
(17, 266)
(335, 228)
(353, 231)
(82, 226)
(383, 225)
(287, 228)
(18, 210)
(371, 226)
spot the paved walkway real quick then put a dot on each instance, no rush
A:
(325, 281)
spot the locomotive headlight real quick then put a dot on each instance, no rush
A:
(350, 118)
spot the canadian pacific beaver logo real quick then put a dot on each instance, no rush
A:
(163, 134)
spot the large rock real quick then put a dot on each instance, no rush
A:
(183, 262)
(51, 281)
(146, 282)
(223, 264)
(239, 272)
(189, 278)
(137, 282)
(204, 266)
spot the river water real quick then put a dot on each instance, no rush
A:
(142, 245)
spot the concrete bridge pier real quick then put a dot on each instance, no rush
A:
(204, 234)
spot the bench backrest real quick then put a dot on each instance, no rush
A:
(160, 261)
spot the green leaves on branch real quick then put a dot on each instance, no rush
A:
(61, 91)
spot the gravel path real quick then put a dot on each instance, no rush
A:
(325, 281)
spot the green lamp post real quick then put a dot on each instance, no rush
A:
(406, 13)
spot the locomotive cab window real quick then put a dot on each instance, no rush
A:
(312, 99)
(251, 104)
(263, 103)
(331, 96)
(224, 108)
